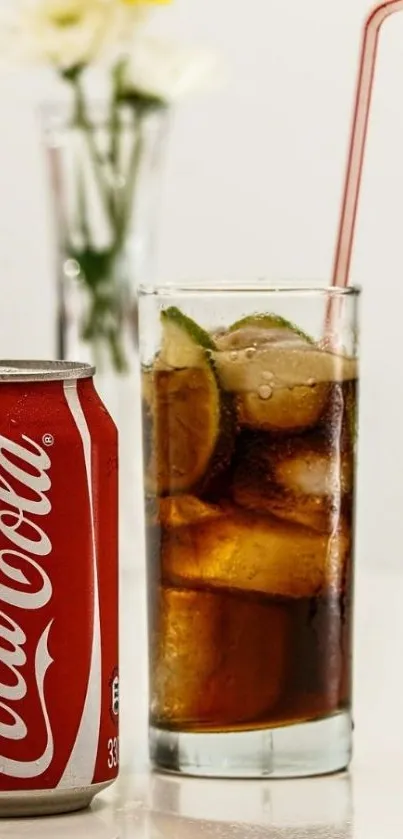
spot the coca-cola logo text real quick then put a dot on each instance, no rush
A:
(24, 585)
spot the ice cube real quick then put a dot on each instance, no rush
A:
(302, 479)
(304, 471)
(179, 510)
(255, 553)
(218, 660)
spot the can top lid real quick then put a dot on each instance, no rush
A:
(43, 371)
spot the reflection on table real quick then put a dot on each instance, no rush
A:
(165, 807)
(98, 824)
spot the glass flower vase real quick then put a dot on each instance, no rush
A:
(104, 166)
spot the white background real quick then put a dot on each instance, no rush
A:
(253, 186)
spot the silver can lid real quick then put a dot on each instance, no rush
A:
(43, 371)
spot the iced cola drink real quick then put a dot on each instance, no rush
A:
(249, 444)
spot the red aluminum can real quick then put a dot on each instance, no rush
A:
(59, 679)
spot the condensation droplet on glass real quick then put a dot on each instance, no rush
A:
(250, 352)
(265, 391)
(233, 355)
(71, 268)
(267, 376)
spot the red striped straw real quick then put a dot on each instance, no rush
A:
(356, 152)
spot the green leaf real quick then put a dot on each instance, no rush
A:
(96, 266)
(71, 74)
(142, 102)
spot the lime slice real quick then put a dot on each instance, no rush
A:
(270, 321)
(184, 342)
(189, 424)
(280, 376)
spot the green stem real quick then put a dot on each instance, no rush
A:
(133, 172)
(82, 207)
(118, 353)
(83, 123)
(115, 128)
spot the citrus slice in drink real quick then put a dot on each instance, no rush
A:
(189, 421)
(271, 322)
(279, 375)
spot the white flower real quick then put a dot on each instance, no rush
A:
(65, 33)
(167, 71)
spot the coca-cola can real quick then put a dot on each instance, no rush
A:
(59, 678)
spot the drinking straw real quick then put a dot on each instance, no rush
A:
(356, 152)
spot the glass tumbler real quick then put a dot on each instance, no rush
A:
(249, 438)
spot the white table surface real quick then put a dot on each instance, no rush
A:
(366, 804)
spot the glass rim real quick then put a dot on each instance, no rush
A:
(260, 285)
